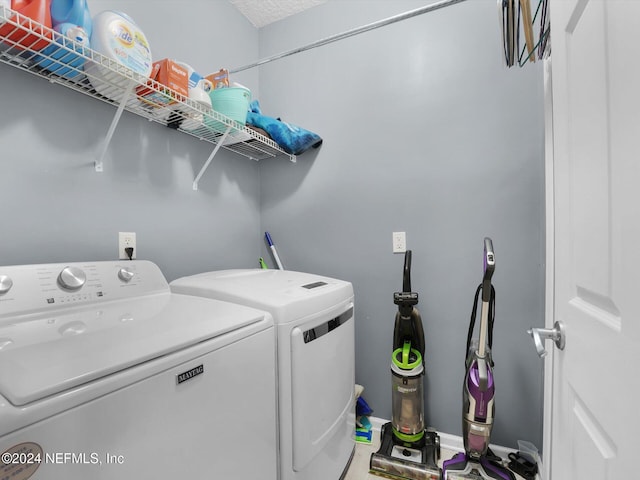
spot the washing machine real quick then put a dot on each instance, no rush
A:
(107, 375)
(315, 350)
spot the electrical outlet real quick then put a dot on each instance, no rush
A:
(126, 240)
(399, 242)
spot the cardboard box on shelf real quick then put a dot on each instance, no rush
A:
(219, 79)
(169, 74)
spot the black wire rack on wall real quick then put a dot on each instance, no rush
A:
(516, 24)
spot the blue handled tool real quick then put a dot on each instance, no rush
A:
(273, 250)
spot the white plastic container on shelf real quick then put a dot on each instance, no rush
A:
(116, 36)
(199, 87)
(5, 5)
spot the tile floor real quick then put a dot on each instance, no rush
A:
(359, 469)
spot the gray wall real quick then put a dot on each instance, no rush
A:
(424, 132)
(56, 208)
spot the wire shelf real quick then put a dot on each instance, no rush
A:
(36, 49)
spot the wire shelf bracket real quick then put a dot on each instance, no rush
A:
(213, 154)
(112, 128)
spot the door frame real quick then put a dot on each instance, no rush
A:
(545, 465)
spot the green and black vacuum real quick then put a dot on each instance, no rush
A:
(407, 449)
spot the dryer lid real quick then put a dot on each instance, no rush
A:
(286, 294)
(43, 355)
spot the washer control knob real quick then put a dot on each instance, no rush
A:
(5, 284)
(125, 274)
(72, 278)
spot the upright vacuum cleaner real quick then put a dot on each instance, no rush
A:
(407, 450)
(478, 462)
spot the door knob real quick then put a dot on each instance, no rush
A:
(539, 335)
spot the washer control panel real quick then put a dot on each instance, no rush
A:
(72, 278)
(5, 284)
(29, 288)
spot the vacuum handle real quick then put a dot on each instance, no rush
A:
(406, 350)
(409, 328)
(483, 374)
(406, 276)
(489, 267)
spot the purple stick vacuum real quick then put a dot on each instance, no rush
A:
(478, 391)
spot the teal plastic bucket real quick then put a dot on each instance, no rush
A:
(232, 102)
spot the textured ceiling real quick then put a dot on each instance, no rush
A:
(264, 12)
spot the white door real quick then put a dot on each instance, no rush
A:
(595, 415)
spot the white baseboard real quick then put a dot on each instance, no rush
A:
(376, 423)
(447, 440)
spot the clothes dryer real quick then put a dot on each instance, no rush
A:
(107, 375)
(315, 349)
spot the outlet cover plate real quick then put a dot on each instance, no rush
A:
(125, 240)
(399, 242)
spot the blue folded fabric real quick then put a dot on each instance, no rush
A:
(362, 407)
(292, 139)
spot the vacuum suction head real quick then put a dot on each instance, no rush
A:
(397, 468)
(400, 462)
(460, 467)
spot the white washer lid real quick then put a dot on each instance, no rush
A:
(44, 355)
(286, 294)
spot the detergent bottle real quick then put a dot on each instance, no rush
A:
(55, 58)
(75, 12)
(38, 10)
